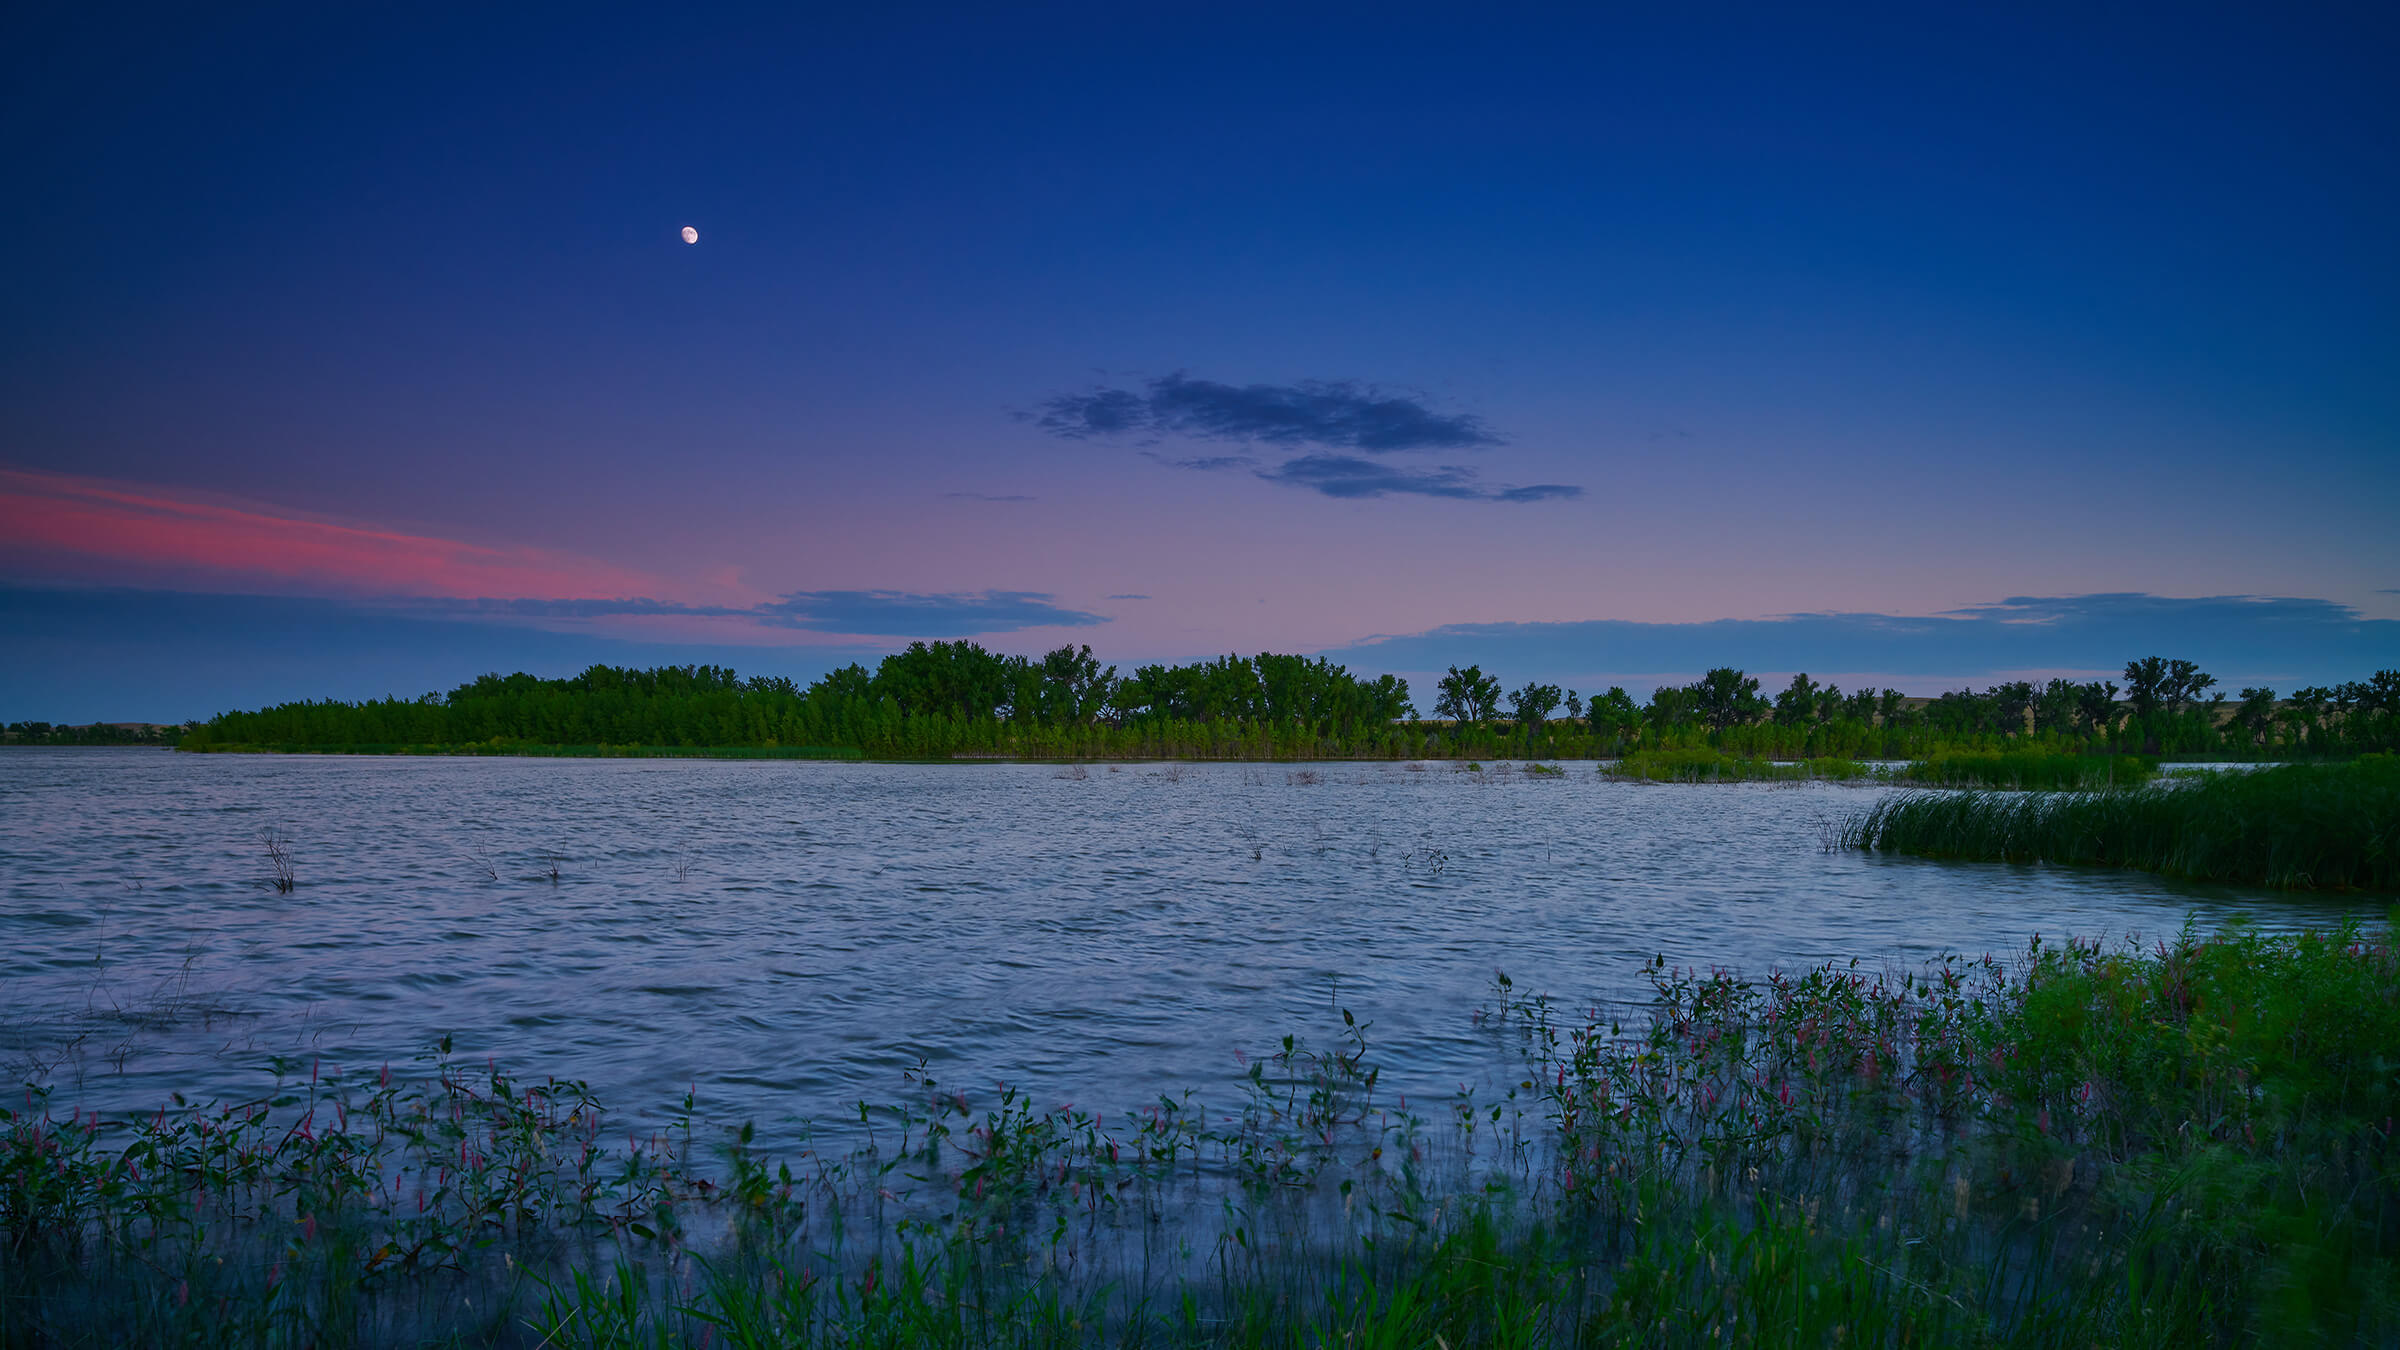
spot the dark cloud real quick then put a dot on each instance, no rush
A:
(906, 614)
(985, 497)
(1205, 464)
(2135, 610)
(1348, 476)
(1333, 414)
(2276, 640)
(1538, 492)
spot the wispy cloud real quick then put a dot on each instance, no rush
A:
(1350, 477)
(528, 607)
(109, 654)
(985, 497)
(107, 530)
(87, 531)
(1333, 414)
(908, 614)
(2278, 640)
(861, 613)
(1124, 597)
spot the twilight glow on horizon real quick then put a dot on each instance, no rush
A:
(380, 349)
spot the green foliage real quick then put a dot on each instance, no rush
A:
(2301, 826)
(1466, 696)
(955, 699)
(2030, 769)
(1726, 697)
(96, 733)
(1703, 765)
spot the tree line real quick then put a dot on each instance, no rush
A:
(949, 699)
(93, 733)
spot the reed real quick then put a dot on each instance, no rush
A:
(2030, 769)
(2298, 827)
(1704, 765)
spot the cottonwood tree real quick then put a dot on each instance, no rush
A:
(1533, 704)
(1726, 697)
(2254, 714)
(1798, 701)
(2155, 684)
(1467, 696)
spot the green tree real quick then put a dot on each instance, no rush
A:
(1466, 696)
(2011, 702)
(1726, 697)
(1073, 687)
(2254, 715)
(1532, 705)
(2096, 707)
(2154, 684)
(1797, 704)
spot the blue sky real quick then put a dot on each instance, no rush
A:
(1310, 326)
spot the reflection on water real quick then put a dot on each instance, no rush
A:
(789, 937)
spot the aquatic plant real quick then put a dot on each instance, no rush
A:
(2299, 827)
(2031, 769)
(1703, 765)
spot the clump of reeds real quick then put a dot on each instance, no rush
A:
(2299, 827)
(2031, 769)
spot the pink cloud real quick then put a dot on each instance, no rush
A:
(136, 532)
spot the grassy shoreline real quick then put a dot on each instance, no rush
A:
(2189, 1144)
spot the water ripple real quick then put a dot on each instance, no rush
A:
(790, 937)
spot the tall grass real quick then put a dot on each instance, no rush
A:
(2189, 1145)
(1704, 765)
(2300, 827)
(2030, 769)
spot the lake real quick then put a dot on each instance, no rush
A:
(788, 938)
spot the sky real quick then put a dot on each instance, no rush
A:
(357, 350)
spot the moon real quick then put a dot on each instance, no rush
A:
(690, 235)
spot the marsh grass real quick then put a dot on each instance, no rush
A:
(2298, 827)
(1704, 765)
(2030, 770)
(2185, 1145)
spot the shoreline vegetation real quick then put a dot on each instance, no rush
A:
(2295, 827)
(2183, 1144)
(955, 700)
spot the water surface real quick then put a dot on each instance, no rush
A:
(788, 938)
